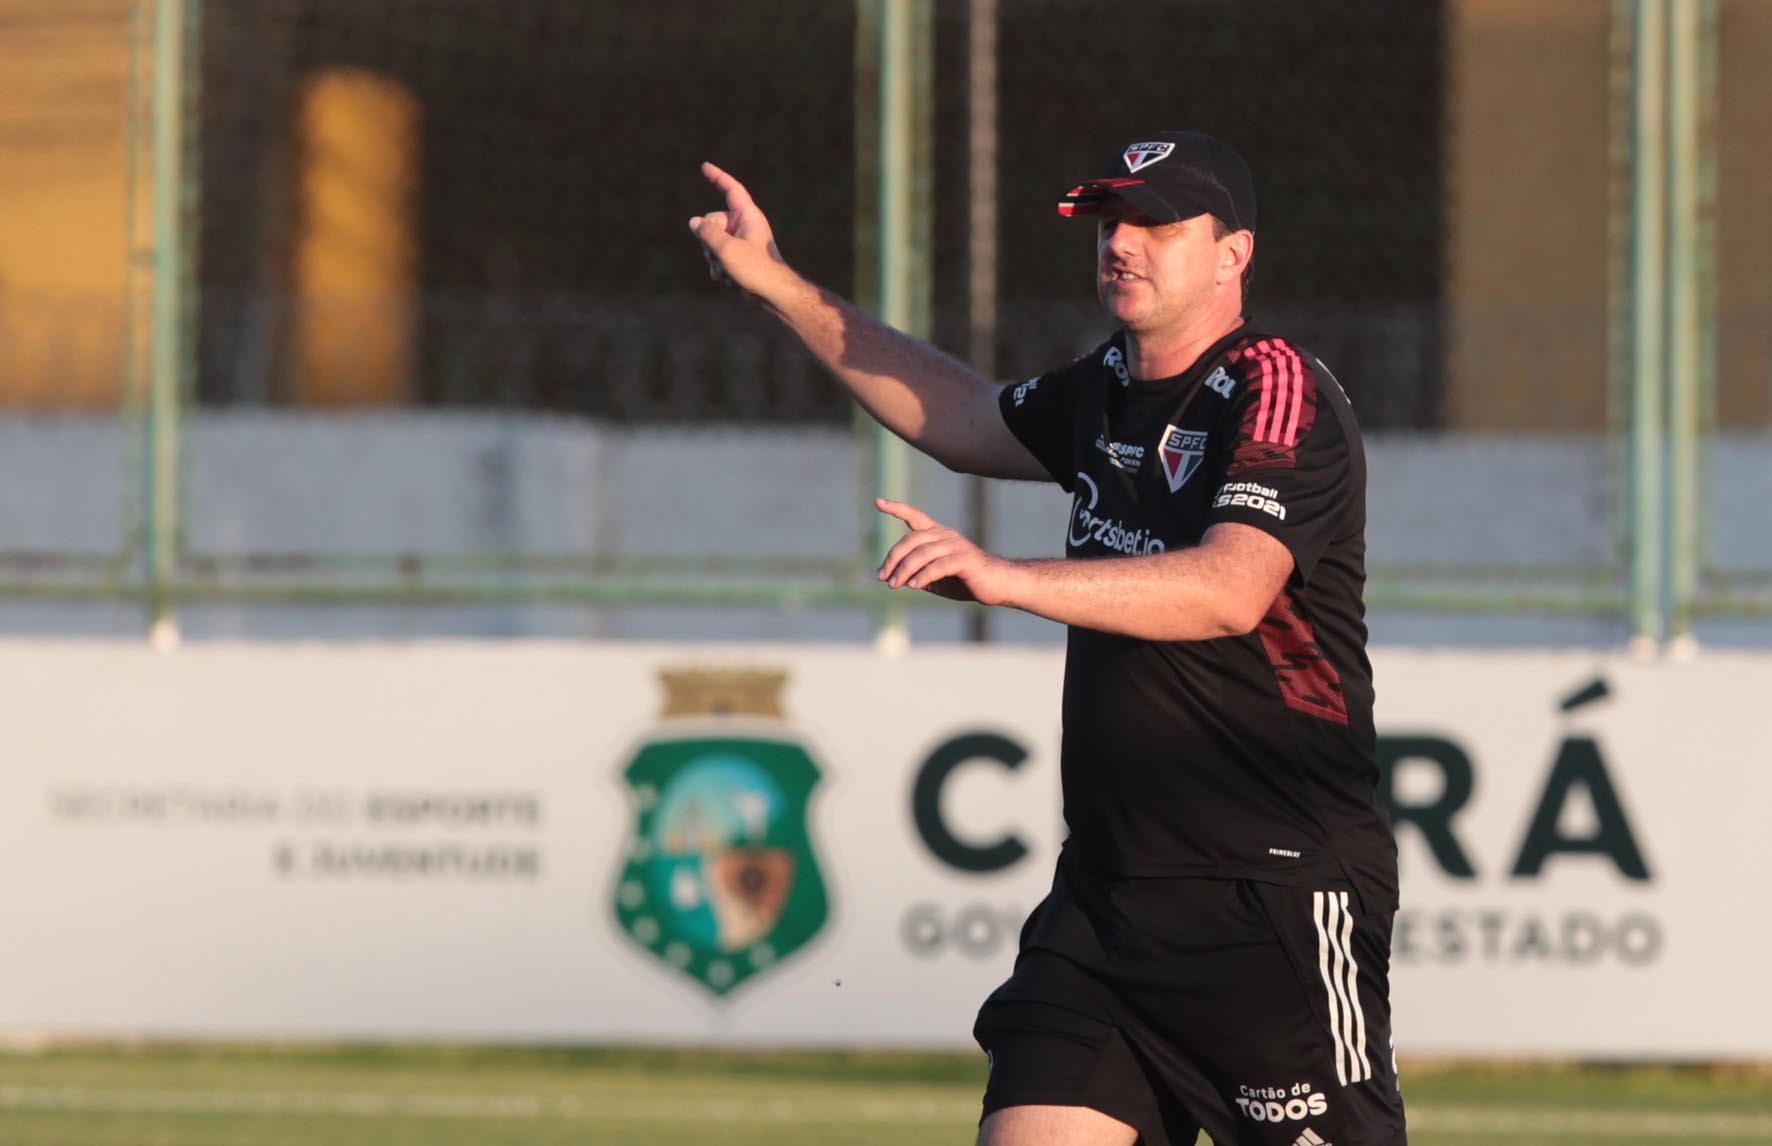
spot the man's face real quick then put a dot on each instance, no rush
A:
(1154, 276)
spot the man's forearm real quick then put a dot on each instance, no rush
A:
(1180, 596)
(910, 387)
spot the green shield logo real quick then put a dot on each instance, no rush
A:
(721, 882)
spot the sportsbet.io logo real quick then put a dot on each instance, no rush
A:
(721, 882)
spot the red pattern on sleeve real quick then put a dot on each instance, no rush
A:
(1308, 682)
(1281, 410)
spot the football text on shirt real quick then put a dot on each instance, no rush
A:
(1021, 391)
(1252, 495)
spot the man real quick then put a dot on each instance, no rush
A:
(1215, 949)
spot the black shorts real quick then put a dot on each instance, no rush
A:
(1257, 1012)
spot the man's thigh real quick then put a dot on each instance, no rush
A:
(1256, 1012)
(1060, 1065)
(1280, 1007)
(1054, 1126)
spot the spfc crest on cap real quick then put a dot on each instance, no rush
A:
(1181, 452)
(720, 881)
(1144, 154)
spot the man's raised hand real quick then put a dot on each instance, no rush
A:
(736, 242)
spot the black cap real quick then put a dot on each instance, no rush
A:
(1170, 176)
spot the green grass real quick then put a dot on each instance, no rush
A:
(442, 1096)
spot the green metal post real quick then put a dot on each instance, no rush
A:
(866, 244)
(1620, 267)
(981, 246)
(904, 265)
(139, 228)
(166, 360)
(1707, 287)
(1648, 275)
(1689, 201)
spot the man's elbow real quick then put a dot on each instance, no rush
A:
(1240, 614)
(1235, 624)
(955, 463)
(1216, 621)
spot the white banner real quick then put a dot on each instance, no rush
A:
(805, 845)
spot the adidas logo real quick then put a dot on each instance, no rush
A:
(1310, 1138)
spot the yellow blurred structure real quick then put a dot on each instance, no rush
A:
(1744, 200)
(1529, 134)
(356, 254)
(1528, 138)
(64, 200)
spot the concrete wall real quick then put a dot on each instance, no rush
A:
(305, 486)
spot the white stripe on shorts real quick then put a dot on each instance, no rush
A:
(1341, 983)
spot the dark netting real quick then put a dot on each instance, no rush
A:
(557, 167)
(1336, 106)
(560, 142)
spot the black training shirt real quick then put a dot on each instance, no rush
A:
(1252, 756)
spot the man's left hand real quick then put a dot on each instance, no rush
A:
(942, 561)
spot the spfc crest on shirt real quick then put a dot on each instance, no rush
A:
(1181, 452)
(721, 882)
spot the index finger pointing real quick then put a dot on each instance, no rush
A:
(735, 192)
(909, 514)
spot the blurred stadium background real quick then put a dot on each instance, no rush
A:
(313, 303)
(377, 319)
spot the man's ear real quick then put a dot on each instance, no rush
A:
(1239, 248)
